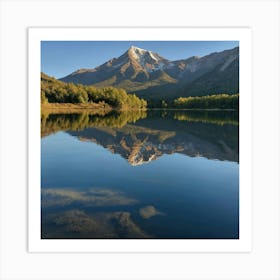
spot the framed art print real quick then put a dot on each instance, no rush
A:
(140, 139)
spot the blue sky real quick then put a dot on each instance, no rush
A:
(60, 58)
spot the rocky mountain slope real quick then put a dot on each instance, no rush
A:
(150, 75)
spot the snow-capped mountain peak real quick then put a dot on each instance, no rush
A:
(145, 71)
(139, 53)
(137, 49)
(148, 60)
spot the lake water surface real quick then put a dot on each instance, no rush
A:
(155, 174)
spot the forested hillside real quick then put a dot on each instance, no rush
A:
(54, 91)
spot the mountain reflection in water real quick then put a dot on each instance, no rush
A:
(141, 136)
(191, 192)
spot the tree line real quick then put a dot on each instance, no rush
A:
(54, 91)
(218, 101)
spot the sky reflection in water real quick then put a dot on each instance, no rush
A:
(171, 174)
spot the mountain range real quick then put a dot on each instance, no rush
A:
(151, 76)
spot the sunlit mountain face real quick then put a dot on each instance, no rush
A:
(150, 75)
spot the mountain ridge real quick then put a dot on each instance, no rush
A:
(149, 75)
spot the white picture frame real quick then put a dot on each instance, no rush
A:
(243, 35)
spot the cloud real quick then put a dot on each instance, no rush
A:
(95, 197)
(149, 211)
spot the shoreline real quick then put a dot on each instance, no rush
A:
(93, 108)
(71, 107)
(192, 109)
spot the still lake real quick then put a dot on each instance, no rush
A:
(154, 174)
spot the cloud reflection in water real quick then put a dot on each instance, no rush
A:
(72, 221)
(95, 197)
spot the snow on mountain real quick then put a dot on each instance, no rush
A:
(148, 60)
(144, 72)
